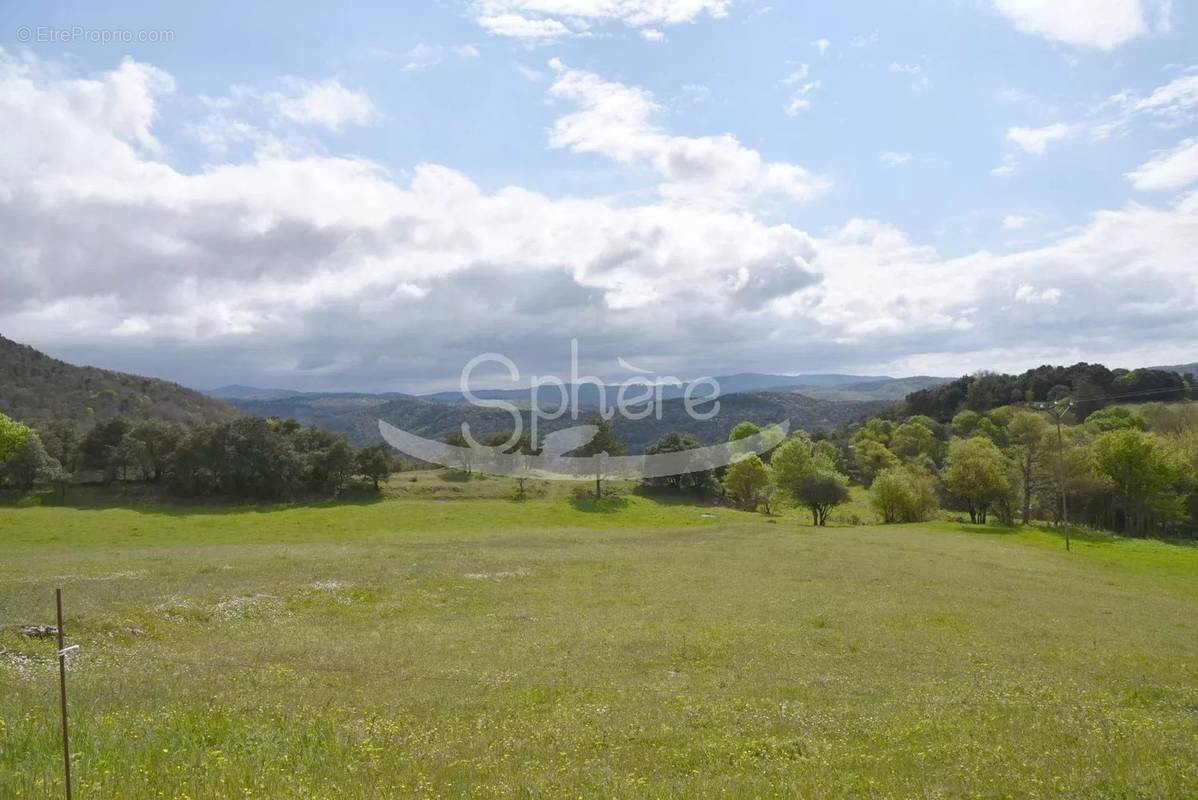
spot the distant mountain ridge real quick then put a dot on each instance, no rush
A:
(35, 387)
(437, 419)
(863, 387)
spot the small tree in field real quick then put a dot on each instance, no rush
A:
(375, 463)
(976, 472)
(903, 494)
(821, 492)
(604, 441)
(748, 481)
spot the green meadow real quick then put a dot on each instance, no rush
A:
(447, 641)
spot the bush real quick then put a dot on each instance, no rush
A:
(904, 494)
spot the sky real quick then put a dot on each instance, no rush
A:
(263, 194)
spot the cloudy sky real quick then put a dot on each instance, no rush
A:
(267, 196)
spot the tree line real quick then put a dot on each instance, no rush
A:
(246, 458)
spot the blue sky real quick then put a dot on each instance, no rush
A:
(367, 199)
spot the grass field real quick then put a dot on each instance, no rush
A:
(422, 646)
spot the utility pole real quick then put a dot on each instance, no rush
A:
(1059, 410)
(62, 688)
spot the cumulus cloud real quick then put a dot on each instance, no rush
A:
(552, 19)
(322, 271)
(615, 120)
(1036, 140)
(1173, 170)
(1015, 222)
(1099, 24)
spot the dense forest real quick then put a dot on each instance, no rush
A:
(35, 388)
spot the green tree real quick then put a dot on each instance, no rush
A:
(1116, 418)
(871, 458)
(792, 462)
(915, 441)
(743, 430)
(976, 472)
(156, 442)
(679, 442)
(12, 434)
(30, 464)
(821, 492)
(606, 442)
(375, 463)
(904, 494)
(1143, 473)
(749, 482)
(101, 448)
(1026, 432)
(875, 430)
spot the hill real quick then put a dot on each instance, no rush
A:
(588, 394)
(887, 390)
(357, 416)
(35, 387)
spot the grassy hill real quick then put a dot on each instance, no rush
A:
(35, 387)
(641, 648)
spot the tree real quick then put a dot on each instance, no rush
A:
(375, 463)
(1144, 475)
(12, 434)
(1116, 418)
(606, 442)
(30, 464)
(915, 441)
(748, 481)
(875, 430)
(821, 492)
(976, 472)
(873, 457)
(792, 462)
(102, 445)
(1026, 431)
(62, 442)
(156, 442)
(678, 442)
(903, 494)
(743, 430)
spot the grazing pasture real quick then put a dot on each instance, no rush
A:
(429, 646)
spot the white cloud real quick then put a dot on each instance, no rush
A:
(551, 19)
(1173, 170)
(425, 56)
(822, 45)
(1169, 106)
(801, 101)
(1036, 140)
(615, 120)
(327, 103)
(865, 40)
(653, 35)
(327, 270)
(1026, 293)
(1100, 24)
(1015, 222)
(1006, 167)
(894, 158)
